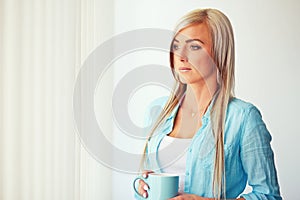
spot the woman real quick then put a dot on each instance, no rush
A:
(228, 144)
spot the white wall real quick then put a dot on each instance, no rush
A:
(267, 68)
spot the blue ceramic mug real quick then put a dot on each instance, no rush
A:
(162, 186)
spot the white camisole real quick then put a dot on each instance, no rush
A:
(176, 165)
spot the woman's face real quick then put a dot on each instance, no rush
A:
(192, 58)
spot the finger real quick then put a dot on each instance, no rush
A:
(145, 173)
(176, 198)
(145, 195)
(179, 197)
(184, 197)
(143, 188)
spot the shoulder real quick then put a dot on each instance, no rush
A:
(244, 113)
(154, 108)
(160, 101)
(244, 120)
(238, 106)
(247, 114)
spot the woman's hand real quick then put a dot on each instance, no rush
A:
(143, 187)
(194, 197)
(189, 197)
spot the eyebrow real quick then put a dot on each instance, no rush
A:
(190, 40)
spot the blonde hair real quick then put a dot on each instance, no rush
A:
(223, 55)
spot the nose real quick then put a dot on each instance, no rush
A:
(183, 58)
(182, 54)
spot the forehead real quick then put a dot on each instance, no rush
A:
(195, 31)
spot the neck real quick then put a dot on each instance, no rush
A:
(198, 97)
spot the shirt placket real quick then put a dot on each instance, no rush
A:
(192, 155)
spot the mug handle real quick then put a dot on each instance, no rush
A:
(135, 190)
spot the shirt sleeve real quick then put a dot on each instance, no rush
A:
(258, 159)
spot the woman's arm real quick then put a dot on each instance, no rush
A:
(258, 159)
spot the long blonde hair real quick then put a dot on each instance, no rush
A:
(223, 55)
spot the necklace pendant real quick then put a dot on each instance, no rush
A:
(193, 114)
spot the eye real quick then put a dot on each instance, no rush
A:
(195, 47)
(175, 47)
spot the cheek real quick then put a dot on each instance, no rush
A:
(202, 62)
(176, 60)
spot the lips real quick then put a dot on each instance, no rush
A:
(184, 69)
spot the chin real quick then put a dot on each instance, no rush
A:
(189, 81)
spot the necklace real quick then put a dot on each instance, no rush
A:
(191, 113)
(194, 114)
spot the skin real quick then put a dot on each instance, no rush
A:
(192, 48)
(194, 65)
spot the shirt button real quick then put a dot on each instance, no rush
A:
(190, 150)
(187, 174)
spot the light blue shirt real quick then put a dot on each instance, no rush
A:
(248, 153)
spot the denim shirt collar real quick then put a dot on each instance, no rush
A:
(206, 115)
